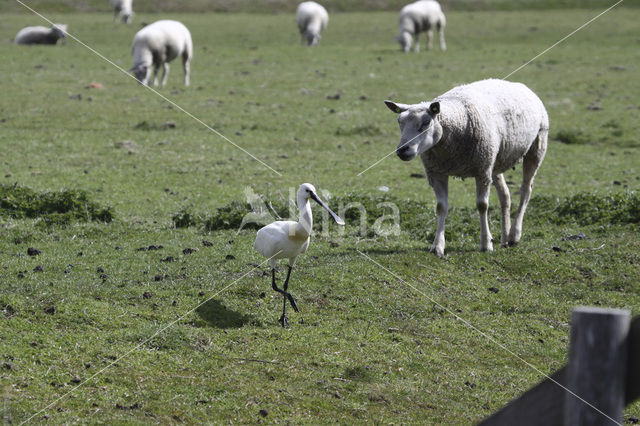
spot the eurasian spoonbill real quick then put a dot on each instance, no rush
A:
(287, 239)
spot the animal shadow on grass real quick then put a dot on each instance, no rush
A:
(215, 314)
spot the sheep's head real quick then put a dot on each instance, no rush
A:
(141, 73)
(126, 18)
(312, 38)
(406, 40)
(61, 31)
(419, 127)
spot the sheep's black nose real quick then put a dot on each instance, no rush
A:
(405, 153)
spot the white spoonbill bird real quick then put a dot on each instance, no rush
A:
(287, 239)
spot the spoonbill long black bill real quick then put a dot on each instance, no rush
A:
(287, 239)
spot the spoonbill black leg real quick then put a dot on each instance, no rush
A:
(285, 295)
(284, 321)
(289, 296)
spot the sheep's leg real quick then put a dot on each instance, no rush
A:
(505, 205)
(147, 76)
(429, 39)
(443, 44)
(155, 75)
(530, 165)
(186, 64)
(165, 73)
(115, 15)
(483, 184)
(440, 185)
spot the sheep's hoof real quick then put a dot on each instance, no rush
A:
(488, 248)
(511, 244)
(437, 252)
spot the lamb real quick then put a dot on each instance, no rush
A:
(418, 17)
(42, 35)
(312, 18)
(123, 8)
(477, 130)
(158, 44)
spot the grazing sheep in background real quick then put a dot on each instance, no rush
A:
(123, 8)
(158, 44)
(312, 18)
(42, 35)
(477, 130)
(418, 17)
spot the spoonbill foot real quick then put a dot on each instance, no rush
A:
(284, 321)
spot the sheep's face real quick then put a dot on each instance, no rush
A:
(126, 18)
(61, 31)
(141, 72)
(312, 38)
(419, 128)
(406, 40)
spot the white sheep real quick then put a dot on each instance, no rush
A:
(477, 130)
(42, 35)
(421, 16)
(158, 44)
(312, 18)
(123, 8)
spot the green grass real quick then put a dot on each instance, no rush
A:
(289, 6)
(365, 346)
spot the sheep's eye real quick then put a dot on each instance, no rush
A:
(424, 125)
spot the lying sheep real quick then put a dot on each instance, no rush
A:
(312, 18)
(158, 44)
(42, 35)
(418, 17)
(123, 8)
(477, 130)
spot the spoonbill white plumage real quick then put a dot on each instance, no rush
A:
(287, 239)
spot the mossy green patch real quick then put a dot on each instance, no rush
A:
(53, 208)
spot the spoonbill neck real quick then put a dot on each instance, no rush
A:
(305, 219)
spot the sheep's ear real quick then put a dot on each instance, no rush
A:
(434, 108)
(397, 108)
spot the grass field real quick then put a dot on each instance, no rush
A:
(289, 6)
(198, 328)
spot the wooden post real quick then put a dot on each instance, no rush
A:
(540, 405)
(601, 377)
(597, 366)
(633, 374)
